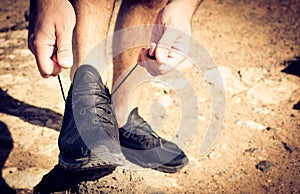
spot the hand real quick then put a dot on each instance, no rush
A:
(170, 39)
(51, 25)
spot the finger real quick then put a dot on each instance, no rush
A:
(64, 48)
(151, 65)
(165, 45)
(172, 39)
(139, 60)
(152, 49)
(175, 58)
(44, 62)
(144, 53)
(56, 70)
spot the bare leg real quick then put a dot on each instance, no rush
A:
(132, 13)
(89, 137)
(92, 23)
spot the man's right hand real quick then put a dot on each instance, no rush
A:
(51, 25)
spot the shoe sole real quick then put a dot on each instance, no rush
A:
(91, 164)
(108, 160)
(172, 169)
(159, 167)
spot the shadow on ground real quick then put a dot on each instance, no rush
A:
(57, 179)
(293, 68)
(60, 180)
(34, 115)
(6, 145)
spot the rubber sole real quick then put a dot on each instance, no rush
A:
(156, 166)
(100, 158)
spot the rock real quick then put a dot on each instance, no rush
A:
(6, 79)
(232, 84)
(120, 181)
(271, 92)
(252, 150)
(287, 147)
(250, 76)
(254, 125)
(154, 179)
(271, 128)
(264, 166)
(214, 154)
(297, 106)
(27, 178)
(50, 150)
(238, 122)
(234, 176)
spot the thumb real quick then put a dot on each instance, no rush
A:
(165, 44)
(64, 49)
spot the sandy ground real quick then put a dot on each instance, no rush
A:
(256, 46)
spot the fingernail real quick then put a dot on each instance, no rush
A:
(66, 62)
(152, 48)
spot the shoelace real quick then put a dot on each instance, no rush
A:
(101, 102)
(61, 88)
(142, 138)
(98, 104)
(113, 92)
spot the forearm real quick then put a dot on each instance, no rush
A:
(190, 6)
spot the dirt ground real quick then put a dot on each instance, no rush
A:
(256, 45)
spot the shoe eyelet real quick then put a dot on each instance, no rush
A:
(126, 134)
(147, 144)
(95, 120)
(82, 112)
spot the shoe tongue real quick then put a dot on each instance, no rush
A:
(134, 119)
(136, 122)
(87, 74)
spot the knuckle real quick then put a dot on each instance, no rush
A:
(64, 47)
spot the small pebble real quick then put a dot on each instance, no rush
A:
(297, 106)
(270, 128)
(264, 166)
(287, 147)
(251, 150)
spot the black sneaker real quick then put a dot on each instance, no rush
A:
(89, 135)
(142, 146)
